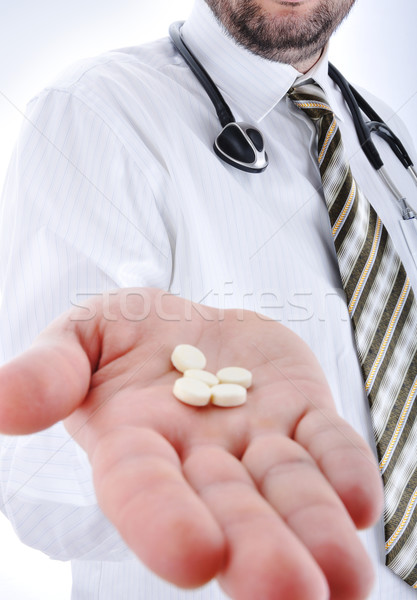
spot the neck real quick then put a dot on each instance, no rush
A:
(305, 65)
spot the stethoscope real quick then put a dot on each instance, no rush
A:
(242, 145)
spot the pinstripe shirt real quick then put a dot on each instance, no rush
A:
(113, 184)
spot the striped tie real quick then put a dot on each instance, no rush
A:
(384, 315)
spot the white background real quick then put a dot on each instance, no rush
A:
(375, 48)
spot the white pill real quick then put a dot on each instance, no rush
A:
(192, 391)
(208, 378)
(235, 375)
(186, 357)
(228, 394)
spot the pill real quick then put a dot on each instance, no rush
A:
(186, 357)
(205, 376)
(192, 391)
(228, 394)
(235, 375)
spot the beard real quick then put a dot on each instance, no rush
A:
(290, 38)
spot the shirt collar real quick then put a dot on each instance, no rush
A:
(319, 72)
(252, 83)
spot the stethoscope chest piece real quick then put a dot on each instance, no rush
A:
(242, 145)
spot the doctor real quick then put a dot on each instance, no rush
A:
(114, 184)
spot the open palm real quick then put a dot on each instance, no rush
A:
(266, 496)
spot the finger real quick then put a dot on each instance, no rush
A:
(347, 462)
(141, 489)
(264, 558)
(47, 382)
(291, 481)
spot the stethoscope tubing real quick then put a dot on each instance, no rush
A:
(223, 111)
(357, 105)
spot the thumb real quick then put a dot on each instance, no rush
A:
(50, 380)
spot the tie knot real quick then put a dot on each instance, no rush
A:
(311, 99)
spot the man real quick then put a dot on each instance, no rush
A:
(115, 185)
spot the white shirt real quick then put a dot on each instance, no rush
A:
(114, 183)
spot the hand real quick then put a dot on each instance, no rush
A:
(266, 497)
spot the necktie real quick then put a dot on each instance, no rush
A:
(383, 311)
